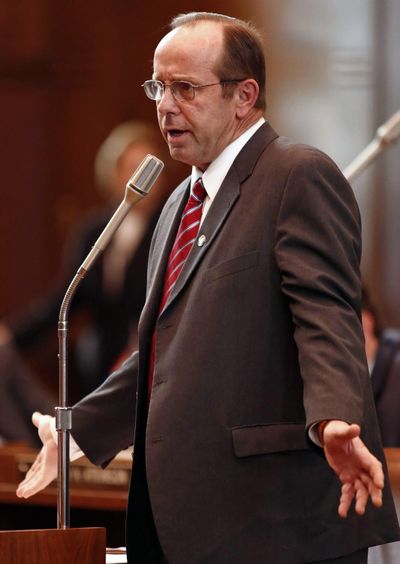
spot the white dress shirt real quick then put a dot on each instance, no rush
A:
(214, 175)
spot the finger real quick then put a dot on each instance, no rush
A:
(378, 477)
(36, 415)
(342, 431)
(373, 483)
(377, 498)
(354, 430)
(376, 494)
(25, 487)
(349, 433)
(370, 464)
(28, 488)
(374, 480)
(362, 495)
(22, 488)
(34, 484)
(30, 478)
(346, 499)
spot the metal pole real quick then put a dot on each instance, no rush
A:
(137, 187)
(63, 411)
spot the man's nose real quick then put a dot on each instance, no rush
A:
(167, 102)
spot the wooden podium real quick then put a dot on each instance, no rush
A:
(93, 490)
(53, 546)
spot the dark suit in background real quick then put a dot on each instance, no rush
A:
(110, 320)
(110, 317)
(19, 398)
(385, 378)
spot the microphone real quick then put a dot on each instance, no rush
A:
(387, 134)
(137, 187)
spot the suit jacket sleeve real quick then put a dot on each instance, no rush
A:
(103, 421)
(318, 247)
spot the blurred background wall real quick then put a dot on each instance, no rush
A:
(70, 71)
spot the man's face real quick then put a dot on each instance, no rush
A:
(198, 130)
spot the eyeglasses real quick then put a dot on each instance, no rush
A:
(181, 90)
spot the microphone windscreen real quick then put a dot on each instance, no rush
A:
(145, 175)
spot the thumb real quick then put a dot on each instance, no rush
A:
(43, 424)
(341, 429)
(352, 431)
(36, 418)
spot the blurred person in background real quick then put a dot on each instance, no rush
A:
(111, 296)
(382, 347)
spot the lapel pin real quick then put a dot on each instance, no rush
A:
(201, 240)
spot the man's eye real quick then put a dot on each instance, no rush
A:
(184, 86)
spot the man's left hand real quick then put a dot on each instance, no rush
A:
(359, 471)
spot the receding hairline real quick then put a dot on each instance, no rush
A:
(175, 30)
(194, 18)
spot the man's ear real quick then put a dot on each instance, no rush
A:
(247, 94)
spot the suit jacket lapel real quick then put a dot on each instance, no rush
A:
(162, 242)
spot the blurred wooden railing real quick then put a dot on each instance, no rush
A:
(98, 497)
(91, 487)
(393, 460)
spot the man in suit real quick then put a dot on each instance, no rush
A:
(254, 414)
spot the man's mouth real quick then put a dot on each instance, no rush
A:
(175, 133)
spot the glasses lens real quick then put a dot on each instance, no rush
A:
(182, 90)
(153, 89)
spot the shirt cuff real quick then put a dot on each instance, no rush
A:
(314, 434)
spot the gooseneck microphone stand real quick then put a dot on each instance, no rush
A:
(386, 135)
(137, 187)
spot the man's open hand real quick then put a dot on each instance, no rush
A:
(44, 469)
(359, 471)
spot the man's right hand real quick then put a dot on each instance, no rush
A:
(44, 470)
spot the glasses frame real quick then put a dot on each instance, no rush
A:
(192, 90)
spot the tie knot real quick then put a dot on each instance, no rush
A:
(198, 190)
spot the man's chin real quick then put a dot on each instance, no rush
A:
(179, 154)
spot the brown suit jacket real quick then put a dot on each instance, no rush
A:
(260, 339)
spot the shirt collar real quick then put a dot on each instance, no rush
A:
(214, 175)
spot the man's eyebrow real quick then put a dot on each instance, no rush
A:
(177, 78)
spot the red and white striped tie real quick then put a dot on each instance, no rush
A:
(185, 237)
